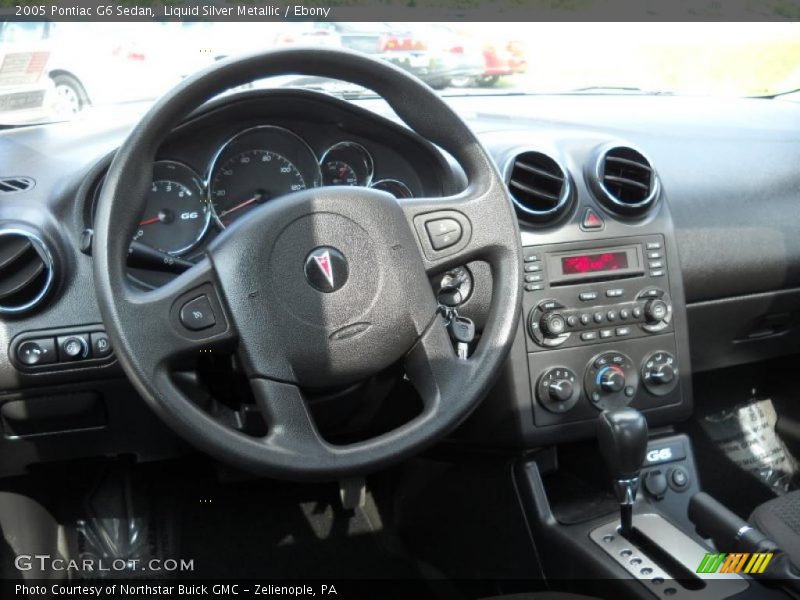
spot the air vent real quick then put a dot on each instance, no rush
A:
(626, 181)
(26, 271)
(9, 185)
(539, 187)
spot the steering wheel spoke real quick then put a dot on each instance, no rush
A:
(181, 319)
(455, 230)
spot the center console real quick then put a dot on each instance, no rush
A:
(603, 322)
(599, 328)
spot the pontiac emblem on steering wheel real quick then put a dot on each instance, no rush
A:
(326, 269)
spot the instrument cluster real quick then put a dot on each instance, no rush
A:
(183, 209)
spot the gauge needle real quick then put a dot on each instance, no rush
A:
(150, 221)
(255, 198)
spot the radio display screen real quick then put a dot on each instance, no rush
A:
(594, 263)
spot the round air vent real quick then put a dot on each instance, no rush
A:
(26, 271)
(625, 181)
(539, 187)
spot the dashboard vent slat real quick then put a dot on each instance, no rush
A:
(9, 185)
(26, 271)
(539, 187)
(625, 181)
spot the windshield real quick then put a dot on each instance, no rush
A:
(62, 70)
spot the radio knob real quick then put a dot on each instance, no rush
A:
(656, 310)
(552, 324)
(612, 380)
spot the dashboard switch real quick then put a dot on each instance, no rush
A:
(197, 314)
(101, 347)
(37, 352)
(73, 347)
(591, 220)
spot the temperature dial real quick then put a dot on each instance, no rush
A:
(558, 389)
(611, 380)
(660, 373)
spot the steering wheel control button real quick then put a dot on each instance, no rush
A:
(37, 352)
(591, 220)
(326, 269)
(101, 347)
(197, 314)
(73, 347)
(444, 233)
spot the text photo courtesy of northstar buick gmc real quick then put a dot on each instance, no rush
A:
(298, 315)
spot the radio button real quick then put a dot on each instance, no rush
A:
(533, 278)
(598, 317)
(615, 293)
(623, 331)
(659, 273)
(533, 258)
(553, 324)
(588, 336)
(654, 245)
(534, 287)
(572, 320)
(533, 268)
(611, 315)
(606, 333)
(585, 319)
(587, 296)
(653, 255)
(656, 264)
(637, 312)
(624, 313)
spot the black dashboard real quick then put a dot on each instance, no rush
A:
(659, 235)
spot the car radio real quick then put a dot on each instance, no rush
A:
(600, 329)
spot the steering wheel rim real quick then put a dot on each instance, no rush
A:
(147, 336)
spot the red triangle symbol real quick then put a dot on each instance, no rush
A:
(591, 220)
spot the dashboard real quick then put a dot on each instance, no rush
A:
(645, 261)
(214, 171)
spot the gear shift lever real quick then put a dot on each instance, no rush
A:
(622, 436)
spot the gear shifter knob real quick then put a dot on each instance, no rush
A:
(622, 436)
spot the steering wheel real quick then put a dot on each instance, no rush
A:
(320, 287)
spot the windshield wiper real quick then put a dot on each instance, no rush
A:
(619, 89)
(779, 94)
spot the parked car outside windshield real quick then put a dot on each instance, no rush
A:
(90, 66)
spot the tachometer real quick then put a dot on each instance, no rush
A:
(257, 165)
(177, 214)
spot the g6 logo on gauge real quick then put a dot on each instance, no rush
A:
(176, 214)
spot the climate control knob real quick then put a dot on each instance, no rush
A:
(660, 373)
(612, 379)
(558, 389)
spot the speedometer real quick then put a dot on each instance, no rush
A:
(256, 166)
(251, 178)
